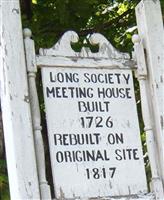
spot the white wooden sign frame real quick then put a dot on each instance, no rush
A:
(29, 184)
(151, 33)
(16, 114)
(62, 55)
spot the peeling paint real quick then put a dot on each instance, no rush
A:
(26, 98)
(15, 11)
(74, 59)
(110, 184)
(4, 77)
(155, 1)
(28, 190)
(159, 58)
(62, 195)
(162, 121)
(128, 123)
(161, 79)
(6, 53)
(3, 31)
(11, 98)
(129, 190)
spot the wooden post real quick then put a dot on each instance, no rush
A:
(142, 75)
(36, 119)
(21, 161)
(151, 32)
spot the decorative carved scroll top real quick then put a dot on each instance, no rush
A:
(63, 48)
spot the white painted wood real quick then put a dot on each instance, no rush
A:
(149, 196)
(63, 48)
(65, 115)
(151, 32)
(50, 61)
(61, 54)
(36, 119)
(140, 197)
(21, 162)
(156, 181)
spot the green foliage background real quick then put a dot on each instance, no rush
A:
(4, 188)
(49, 19)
